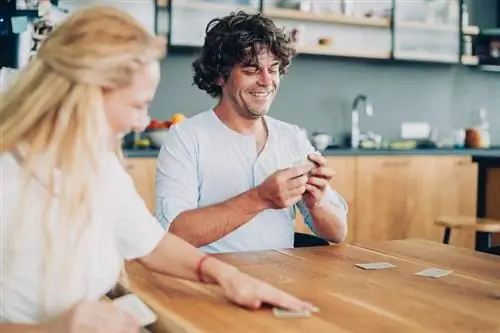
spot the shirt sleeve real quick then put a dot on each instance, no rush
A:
(136, 229)
(305, 147)
(176, 177)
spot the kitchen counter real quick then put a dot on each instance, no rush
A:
(488, 160)
(483, 154)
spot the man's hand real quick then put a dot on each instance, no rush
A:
(284, 188)
(319, 178)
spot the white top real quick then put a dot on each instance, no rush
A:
(121, 228)
(203, 162)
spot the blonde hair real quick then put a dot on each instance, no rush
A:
(55, 106)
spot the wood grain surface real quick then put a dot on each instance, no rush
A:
(350, 299)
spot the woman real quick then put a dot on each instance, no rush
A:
(70, 213)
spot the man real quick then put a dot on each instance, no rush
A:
(224, 177)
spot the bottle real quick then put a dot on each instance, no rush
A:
(478, 136)
(483, 128)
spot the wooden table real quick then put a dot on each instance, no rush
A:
(350, 299)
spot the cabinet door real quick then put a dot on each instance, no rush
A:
(190, 17)
(335, 27)
(427, 30)
(344, 183)
(143, 173)
(384, 199)
(457, 195)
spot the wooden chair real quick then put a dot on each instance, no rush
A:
(487, 226)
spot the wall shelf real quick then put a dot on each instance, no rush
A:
(207, 6)
(427, 26)
(425, 56)
(470, 60)
(339, 52)
(291, 14)
(471, 30)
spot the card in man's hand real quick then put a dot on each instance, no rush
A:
(376, 265)
(433, 272)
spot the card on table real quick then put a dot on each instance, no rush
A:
(376, 265)
(433, 272)
(132, 304)
(281, 313)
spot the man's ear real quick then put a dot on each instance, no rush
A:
(220, 81)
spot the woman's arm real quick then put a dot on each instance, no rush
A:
(174, 256)
(22, 328)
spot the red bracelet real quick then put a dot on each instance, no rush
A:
(199, 265)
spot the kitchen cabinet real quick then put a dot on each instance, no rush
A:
(455, 194)
(143, 173)
(419, 30)
(189, 18)
(400, 197)
(389, 197)
(427, 30)
(331, 28)
(385, 199)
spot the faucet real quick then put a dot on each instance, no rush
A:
(355, 131)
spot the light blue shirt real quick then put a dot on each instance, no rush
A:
(203, 162)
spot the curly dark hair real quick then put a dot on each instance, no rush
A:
(237, 39)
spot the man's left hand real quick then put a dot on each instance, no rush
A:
(319, 179)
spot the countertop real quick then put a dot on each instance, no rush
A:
(492, 160)
(477, 153)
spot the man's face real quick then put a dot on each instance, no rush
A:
(251, 87)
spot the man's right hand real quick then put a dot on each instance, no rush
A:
(284, 188)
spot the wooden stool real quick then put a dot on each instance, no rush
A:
(466, 223)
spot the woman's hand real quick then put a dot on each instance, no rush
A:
(93, 317)
(252, 293)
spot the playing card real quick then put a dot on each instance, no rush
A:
(376, 265)
(133, 305)
(433, 272)
(304, 161)
(280, 313)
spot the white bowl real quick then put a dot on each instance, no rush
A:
(156, 136)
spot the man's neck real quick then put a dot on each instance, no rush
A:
(238, 123)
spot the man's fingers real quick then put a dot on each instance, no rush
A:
(297, 182)
(318, 159)
(314, 191)
(323, 172)
(320, 183)
(285, 301)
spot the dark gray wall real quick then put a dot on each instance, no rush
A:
(484, 13)
(318, 92)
